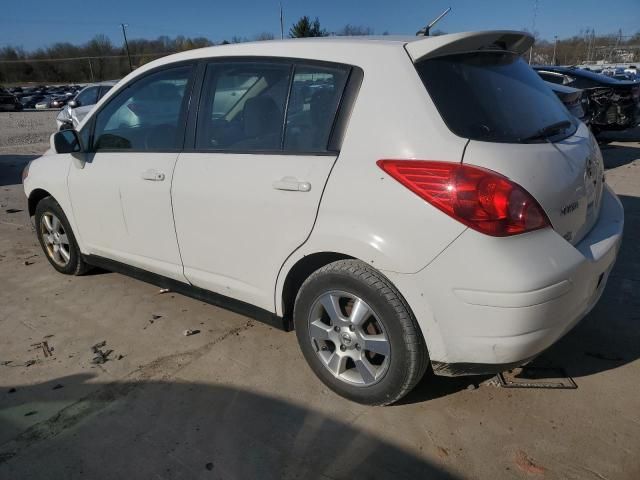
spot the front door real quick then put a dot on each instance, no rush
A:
(121, 195)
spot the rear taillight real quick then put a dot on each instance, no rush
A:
(481, 199)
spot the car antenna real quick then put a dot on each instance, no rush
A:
(424, 32)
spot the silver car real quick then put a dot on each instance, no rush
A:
(73, 113)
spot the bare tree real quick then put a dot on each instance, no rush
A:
(264, 36)
(354, 30)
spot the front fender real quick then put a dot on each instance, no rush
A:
(49, 173)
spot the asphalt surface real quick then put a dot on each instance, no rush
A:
(237, 400)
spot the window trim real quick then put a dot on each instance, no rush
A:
(343, 107)
(194, 87)
(184, 110)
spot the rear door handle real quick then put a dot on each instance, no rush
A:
(291, 184)
(153, 176)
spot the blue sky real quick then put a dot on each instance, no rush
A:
(36, 23)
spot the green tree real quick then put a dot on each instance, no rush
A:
(306, 28)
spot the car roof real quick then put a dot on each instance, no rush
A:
(358, 50)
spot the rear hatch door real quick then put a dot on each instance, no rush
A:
(516, 125)
(565, 177)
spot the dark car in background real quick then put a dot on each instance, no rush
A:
(59, 101)
(30, 100)
(8, 102)
(614, 104)
(576, 101)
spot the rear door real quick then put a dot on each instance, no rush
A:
(247, 194)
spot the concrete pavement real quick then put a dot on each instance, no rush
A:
(238, 401)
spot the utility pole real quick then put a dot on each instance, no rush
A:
(126, 44)
(555, 46)
(533, 29)
(281, 23)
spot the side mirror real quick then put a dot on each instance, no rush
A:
(73, 103)
(66, 141)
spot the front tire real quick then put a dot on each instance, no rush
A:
(358, 334)
(56, 238)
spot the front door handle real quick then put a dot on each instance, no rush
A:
(153, 176)
(291, 184)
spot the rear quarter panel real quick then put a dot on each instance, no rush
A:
(366, 214)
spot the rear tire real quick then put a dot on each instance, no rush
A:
(57, 240)
(358, 334)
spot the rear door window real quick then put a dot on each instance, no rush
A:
(269, 106)
(242, 106)
(315, 95)
(492, 96)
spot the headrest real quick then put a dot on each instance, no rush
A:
(261, 117)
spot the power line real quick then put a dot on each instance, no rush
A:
(23, 60)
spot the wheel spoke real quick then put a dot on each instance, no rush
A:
(359, 312)
(319, 330)
(365, 369)
(48, 238)
(64, 254)
(55, 223)
(331, 306)
(337, 363)
(47, 223)
(56, 253)
(376, 344)
(64, 239)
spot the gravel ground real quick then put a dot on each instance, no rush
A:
(26, 132)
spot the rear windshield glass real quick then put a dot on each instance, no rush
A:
(493, 97)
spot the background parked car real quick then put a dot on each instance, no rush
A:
(30, 100)
(59, 101)
(576, 101)
(44, 103)
(615, 104)
(75, 110)
(8, 101)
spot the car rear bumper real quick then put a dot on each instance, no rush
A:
(489, 303)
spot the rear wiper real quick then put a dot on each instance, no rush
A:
(548, 131)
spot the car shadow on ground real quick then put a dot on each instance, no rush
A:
(629, 135)
(618, 155)
(185, 430)
(11, 167)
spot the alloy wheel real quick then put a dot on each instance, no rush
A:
(55, 239)
(349, 338)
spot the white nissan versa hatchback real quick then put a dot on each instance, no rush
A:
(400, 202)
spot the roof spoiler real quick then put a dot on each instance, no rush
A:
(429, 47)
